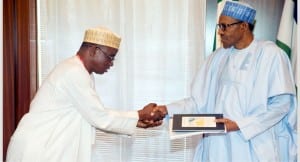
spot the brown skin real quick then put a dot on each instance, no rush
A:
(162, 109)
(229, 124)
(237, 35)
(94, 59)
(150, 116)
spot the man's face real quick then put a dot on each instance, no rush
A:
(103, 58)
(230, 31)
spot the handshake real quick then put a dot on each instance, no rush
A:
(151, 115)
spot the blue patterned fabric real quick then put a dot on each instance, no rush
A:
(240, 11)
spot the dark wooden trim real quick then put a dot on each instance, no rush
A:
(8, 73)
(19, 62)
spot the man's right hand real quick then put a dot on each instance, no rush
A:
(151, 115)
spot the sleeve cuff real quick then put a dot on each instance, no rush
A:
(246, 127)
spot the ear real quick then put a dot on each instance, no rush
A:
(92, 51)
(244, 26)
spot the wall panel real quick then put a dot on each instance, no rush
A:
(19, 60)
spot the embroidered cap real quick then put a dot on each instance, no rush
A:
(240, 11)
(102, 36)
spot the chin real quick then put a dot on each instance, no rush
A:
(100, 72)
(225, 45)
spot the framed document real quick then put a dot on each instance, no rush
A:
(198, 122)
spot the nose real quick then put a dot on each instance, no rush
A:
(220, 32)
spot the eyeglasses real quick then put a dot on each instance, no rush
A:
(108, 56)
(223, 27)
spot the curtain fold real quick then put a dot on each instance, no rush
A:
(162, 47)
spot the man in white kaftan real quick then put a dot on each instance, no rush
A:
(60, 126)
(250, 82)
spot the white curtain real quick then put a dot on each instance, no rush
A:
(162, 47)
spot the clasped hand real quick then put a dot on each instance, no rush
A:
(151, 115)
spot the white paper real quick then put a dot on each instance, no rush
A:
(196, 121)
(177, 135)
